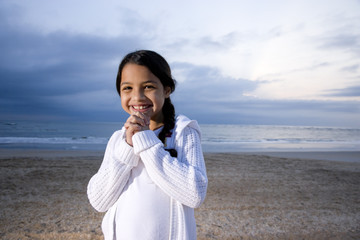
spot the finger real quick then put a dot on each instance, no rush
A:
(133, 119)
(145, 118)
(135, 127)
(141, 118)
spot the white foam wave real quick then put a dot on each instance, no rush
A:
(53, 140)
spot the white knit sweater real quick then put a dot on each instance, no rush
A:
(182, 178)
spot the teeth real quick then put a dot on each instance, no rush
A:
(140, 107)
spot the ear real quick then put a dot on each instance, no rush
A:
(167, 92)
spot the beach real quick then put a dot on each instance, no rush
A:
(250, 196)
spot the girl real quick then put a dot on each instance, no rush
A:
(153, 172)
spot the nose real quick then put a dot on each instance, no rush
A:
(138, 94)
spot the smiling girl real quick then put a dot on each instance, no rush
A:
(153, 173)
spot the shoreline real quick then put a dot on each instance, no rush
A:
(250, 196)
(48, 153)
(341, 156)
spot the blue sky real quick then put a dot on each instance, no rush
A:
(247, 62)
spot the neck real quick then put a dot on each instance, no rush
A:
(155, 125)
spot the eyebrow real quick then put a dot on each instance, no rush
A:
(149, 81)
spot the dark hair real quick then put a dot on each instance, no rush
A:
(161, 69)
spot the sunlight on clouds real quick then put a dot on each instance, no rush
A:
(307, 61)
(295, 53)
(305, 84)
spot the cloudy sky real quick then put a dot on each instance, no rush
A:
(235, 61)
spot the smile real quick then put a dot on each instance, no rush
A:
(143, 107)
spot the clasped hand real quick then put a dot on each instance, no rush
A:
(137, 122)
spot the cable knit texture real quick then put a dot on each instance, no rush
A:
(182, 178)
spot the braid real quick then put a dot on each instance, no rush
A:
(168, 111)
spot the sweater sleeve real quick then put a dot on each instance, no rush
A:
(106, 185)
(183, 178)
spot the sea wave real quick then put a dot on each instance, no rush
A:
(53, 140)
(274, 140)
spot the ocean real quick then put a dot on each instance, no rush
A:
(215, 137)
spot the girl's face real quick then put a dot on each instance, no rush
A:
(141, 91)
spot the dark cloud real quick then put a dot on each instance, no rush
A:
(37, 69)
(285, 112)
(353, 91)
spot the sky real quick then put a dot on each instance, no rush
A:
(235, 61)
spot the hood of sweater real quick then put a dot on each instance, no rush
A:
(183, 122)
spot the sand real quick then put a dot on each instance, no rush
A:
(250, 196)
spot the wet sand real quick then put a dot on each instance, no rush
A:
(250, 196)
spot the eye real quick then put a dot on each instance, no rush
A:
(126, 88)
(149, 87)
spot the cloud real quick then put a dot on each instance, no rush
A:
(68, 74)
(36, 70)
(347, 41)
(353, 91)
(284, 112)
(352, 68)
(204, 83)
(220, 43)
(207, 95)
(346, 38)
